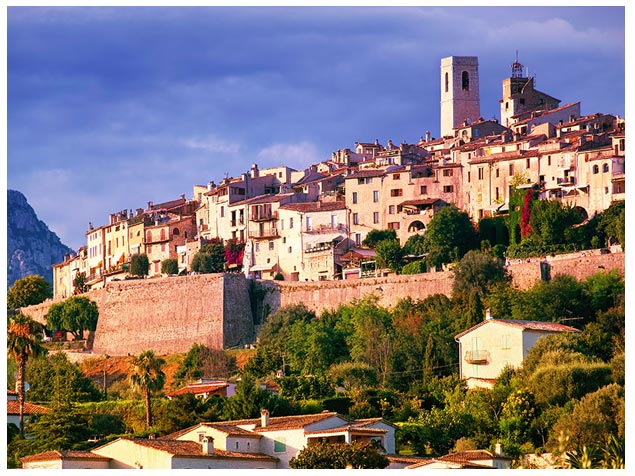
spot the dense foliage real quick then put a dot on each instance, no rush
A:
(75, 315)
(210, 258)
(28, 291)
(356, 455)
(139, 265)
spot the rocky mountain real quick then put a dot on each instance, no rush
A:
(31, 247)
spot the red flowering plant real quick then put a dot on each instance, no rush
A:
(234, 252)
(525, 227)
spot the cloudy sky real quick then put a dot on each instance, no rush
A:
(109, 108)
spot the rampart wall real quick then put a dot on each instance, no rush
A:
(170, 314)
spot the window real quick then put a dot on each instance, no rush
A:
(309, 223)
(395, 176)
(290, 249)
(358, 239)
(465, 81)
(511, 169)
(394, 225)
(375, 217)
(497, 173)
(469, 176)
(396, 192)
(521, 101)
(605, 168)
(257, 246)
(448, 188)
(596, 169)
(505, 341)
(528, 163)
(548, 160)
(391, 210)
(162, 246)
(375, 196)
(480, 173)
(271, 245)
(447, 172)
(222, 211)
(447, 82)
(291, 222)
(280, 444)
(354, 197)
(149, 249)
(497, 194)
(355, 219)
(424, 190)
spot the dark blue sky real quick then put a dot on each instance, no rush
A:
(109, 108)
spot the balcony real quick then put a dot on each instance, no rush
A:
(264, 230)
(478, 357)
(257, 217)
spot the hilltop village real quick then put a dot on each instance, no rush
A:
(309, 225)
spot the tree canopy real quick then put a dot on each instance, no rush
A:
(75, 315)
(450, 235)
(356, 455)
(210, 258)
(28, 291)
(139, 265)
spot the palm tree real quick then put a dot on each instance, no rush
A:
(24, 337)
(147, 376)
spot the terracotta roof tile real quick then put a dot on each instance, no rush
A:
(198, 388)
(530, 325)
(185, 448)
(13, 408)
(314, 206)
(63, 454)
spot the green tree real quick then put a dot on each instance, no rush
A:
(147, 376)
(139, 265)
(477, 272)
(248, 400)
(550, 219)
(24, 337)
(79, 283)
(612, 224)
(415, 245)
(353, 375)
(28, 291)
(451, 233)
(374, 237)
(210, 258)
(390, 255)
(169, 266)
(356, 455)
(75, 315)
(57, 380)
(415, 267)
(595, 418)
(202, 361)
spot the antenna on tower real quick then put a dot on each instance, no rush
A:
(517, 68)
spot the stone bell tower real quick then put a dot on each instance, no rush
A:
(459, 92)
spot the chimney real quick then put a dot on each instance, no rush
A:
(264, 418)
(207, 445)
(254, 171)
(182, 196)
(488, 314)
(427, 136)
(498, 450)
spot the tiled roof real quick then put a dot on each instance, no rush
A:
(63, 454)
(198, 388)
(528, 325)
(286, 422)
(266, 198)
(542, 112)
(185, 448)
(407, 459)
(468, 455)
(233, 430)
(351, 427)
(366, 173)
(314, 206)
(13, 408)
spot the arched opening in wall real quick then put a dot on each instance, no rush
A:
(416, 227)
(447, 82)
(175, 232)
(465, 81)
(581, 214)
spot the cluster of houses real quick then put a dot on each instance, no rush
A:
(309, 225)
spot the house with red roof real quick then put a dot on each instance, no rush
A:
(488, 347)
(13, 409)
(205, 388)
(265, 442)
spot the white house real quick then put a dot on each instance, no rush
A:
(265, 442)
(13, 409)
(488, 347)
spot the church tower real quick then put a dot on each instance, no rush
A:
(459, 92)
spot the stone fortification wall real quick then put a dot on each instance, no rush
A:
(170, 314)
(323, 295)
(580, 265)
